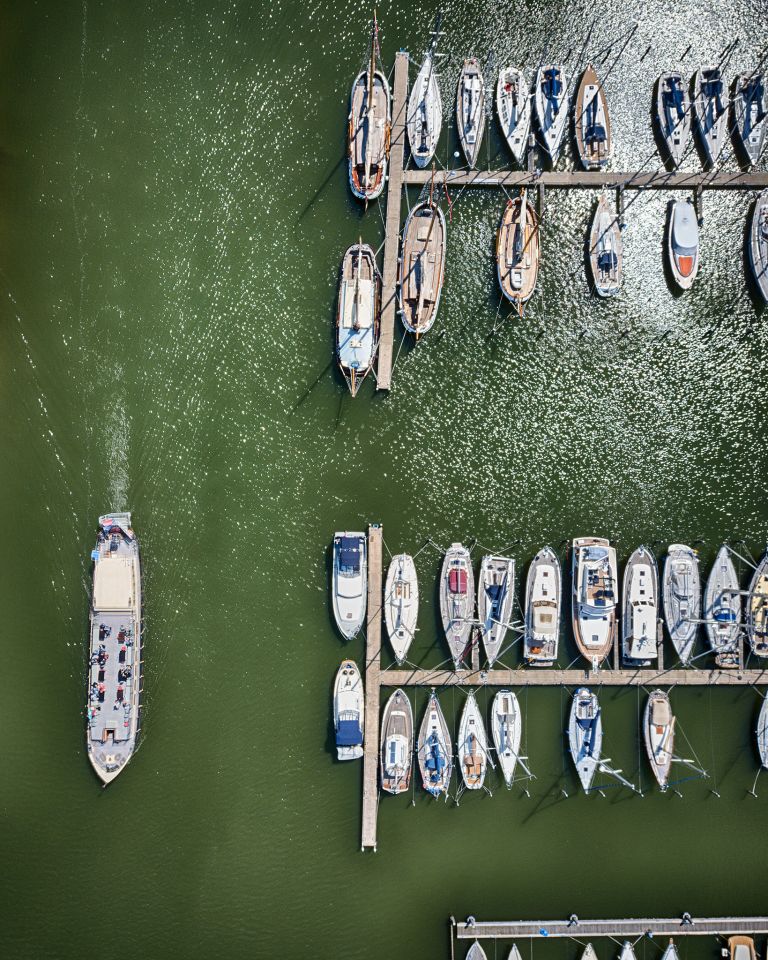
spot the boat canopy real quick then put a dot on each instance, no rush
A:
(712, 88)
(457, 581)
(113, 583)
(675, 96)
(435, 761)
(496, 593)
(553, 85)
(357, 304)
(349, 554)
(660, 712)
(349, 734)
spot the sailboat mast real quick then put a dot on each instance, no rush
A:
(369, 113)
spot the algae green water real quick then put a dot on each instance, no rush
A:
(174, 211)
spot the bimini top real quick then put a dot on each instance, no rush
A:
(349, 555)
(349, 733)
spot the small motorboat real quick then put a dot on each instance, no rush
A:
(749, 116)
(639, 628)
(543, 592)
(682, 598)
(357, 322)
(627, 951)
(349, 582)
(592, 125)
(757, 245)
(401, 604)
(670, 953)
(605, 250)
(683, 243)
(396, 756)
(435, 750)
(370, 122)
(757, 609)
(551, 102)
(517, 251)
(761, 732)
(422, 267)
(659, 735)
(673, 115)
(722, 610)
(476, 952)
(742, 948)
(470, 109)
(425, 112)
(585, 735)
(513, 105)
(594, 597)
(457, 600)
(495, 595)
(348, 711)
(473, 745)
(506, 729)
(710, 111)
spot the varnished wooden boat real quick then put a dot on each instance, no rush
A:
(422, 267)
(592, 124)
(517, 251)
(470, 109)
(396, 755)
(370, 122)
(757, 609)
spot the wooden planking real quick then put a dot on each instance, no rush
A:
(597, 179)
(392, 239)
(659, 927)
(372, 687)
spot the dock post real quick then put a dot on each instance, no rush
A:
(372, 688)
(392, 238)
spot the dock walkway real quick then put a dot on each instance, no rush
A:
(618, 929)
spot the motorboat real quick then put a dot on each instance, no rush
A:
(683, 243)
(682, 599)
(114, 683)
(761, 732)
(401, 604)
(605, 250)
(757, 244)
(457, 600)
(396, 757)
(749, 116)
(518, 251)
(422, 267)
(473, 745)
(513, 105)
(349, 582)
(592, 125)
(543, 594)
(722, 610)
(710, 111)
(640, 623)
(357, 321)
(506, 729)
(551, 103)
(435, 750)
(659, 735)
(470, 109)
(349, 711)
(370, 123)
(673, 115)
(424, 119)
(757, 609)
(585, 735)
(495, 596)
(594, 597)
(742, 948)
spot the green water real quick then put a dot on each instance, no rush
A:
(174, 210)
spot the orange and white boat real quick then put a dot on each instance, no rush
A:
(683, 243)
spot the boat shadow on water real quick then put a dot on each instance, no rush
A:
(753, 291)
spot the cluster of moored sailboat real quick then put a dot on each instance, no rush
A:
(739, 948)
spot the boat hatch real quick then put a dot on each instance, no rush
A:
(660, 713)
(357, 309)
(349, 555)
(457, 581)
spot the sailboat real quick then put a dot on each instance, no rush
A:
(551, 101)
(589, 953)
(513, 105)
(470, 109)
(742, 948)
(543, 593)
(348, 711)
(594, 597)
(435, 750)
(639, 626)
(670, 953)
(722, 610)
(422, 266)
(457, 600)
(749, 116)
(592, 123)
(370, 122)
(401, 604)
(605, 250)
(682, 598)
(425, 109)
(710, 111)
(357, 322)
(659, 735)
(683, 243)
(517, 251)
(585, 735)
(495, 595)
(476, 952)
(757, 609)
(627, 951)
(757, 245)
(396, 755)
(673, 115)
(514, 953)
(761, 732)
(506, 729)
(473, 745)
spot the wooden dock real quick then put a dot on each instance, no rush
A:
(618, 929)
(372, 688)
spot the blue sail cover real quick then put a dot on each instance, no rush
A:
(349, 553)
(496, 592)
(435, 761)
(349, 734)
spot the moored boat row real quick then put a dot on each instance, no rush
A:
(739, 948)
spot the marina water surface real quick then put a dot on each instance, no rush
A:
(175, 209)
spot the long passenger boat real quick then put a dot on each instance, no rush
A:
(114, 673)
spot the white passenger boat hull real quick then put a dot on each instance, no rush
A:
(495, 596)
(585, 735)
(457, 600)
(682, 599)
(594, 598)
(349, 582)
(506, 729)
(513, 105)
(722, 610)
(543, 597)
(473, 745)
(349, 711)
(683, 243)
(641, 609)
(659, 735)
(401, 604)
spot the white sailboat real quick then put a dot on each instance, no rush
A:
(506, 729)
(495, 595)
(424, 119)
(513, 105)
(682, 598)
(473, 745)
(722, 610)
(401, 604)
(585, 735)
(641, 609)
(543, 595)
(659, 735)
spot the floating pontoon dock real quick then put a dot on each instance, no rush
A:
(618, 929)
(696, 181)
(376, 678)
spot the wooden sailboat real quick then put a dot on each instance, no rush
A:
(517, 251)
(470, 109)
(370, 123)
(473, 745)
(357, 320)
(422, 266)
(592, 123)
(396, 755)
(757, 610)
